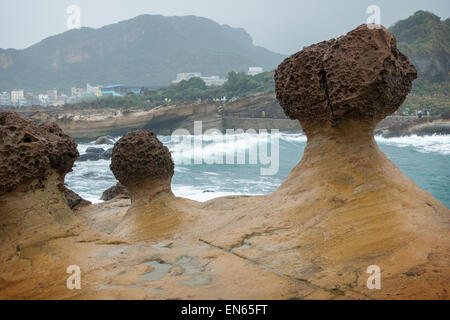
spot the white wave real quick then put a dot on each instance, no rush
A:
(425, 144)
(212, 146)
(195, 194)
(294, 137)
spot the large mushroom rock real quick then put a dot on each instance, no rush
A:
(345, 206)
(355, 207)
(145, 167)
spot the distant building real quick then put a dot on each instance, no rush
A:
(77, 92)
(43, 99)
(96, 91)
(252, 71)
(52, 96)
(119, 90)
(59, 101)
(5, 99)
(209, 81)
(16, 96)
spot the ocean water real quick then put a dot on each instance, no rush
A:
(200, 175)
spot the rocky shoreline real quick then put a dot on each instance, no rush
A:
(343, 209)
(244, 114)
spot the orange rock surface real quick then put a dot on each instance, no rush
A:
(343, 208)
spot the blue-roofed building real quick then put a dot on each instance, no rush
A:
(119, 90)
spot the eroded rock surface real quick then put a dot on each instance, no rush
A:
(140, 156)
(29, 151)
(74, 200)
(361, 75)
(117, 190)
(343, 208)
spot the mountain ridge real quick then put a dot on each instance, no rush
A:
(148, 50)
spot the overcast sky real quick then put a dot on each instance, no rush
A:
(283, 26)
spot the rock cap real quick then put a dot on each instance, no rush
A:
(359, 76)
(139, 156)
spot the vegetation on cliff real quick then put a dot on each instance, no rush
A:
(425, 39)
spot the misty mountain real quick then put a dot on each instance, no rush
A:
(148, 50)
(425, 39)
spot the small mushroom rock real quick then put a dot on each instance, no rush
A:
(142, 163)
(145, 167)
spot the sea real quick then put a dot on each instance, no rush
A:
(216, 165)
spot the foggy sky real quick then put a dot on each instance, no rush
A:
(283, 26)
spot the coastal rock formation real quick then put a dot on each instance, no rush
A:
(33, 209)
(117, 190)
(104, 140)
(73, 199)
(94, 154)
(345, 206)
(30, 152)
(360, 76)
(144, 166)
(342, 210)
(140, 157)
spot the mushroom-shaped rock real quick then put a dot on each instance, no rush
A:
(142, 163)
(30, 152)
(359, 76)
(144, 166)
(358, 205)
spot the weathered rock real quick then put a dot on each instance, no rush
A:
(361, 76)
(140, 156)
(108, 153)
(145, 167)
(343, 208)
(29, 151)
(94, 154)
(90, 157)
(73, 199)
(104, 140)
(118, 190)
(95, 150)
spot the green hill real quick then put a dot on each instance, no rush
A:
(148, 50)
(425, 39)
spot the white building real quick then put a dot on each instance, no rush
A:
(52, 94)
(252, 71)
(43, 99)
(16, 96)
(5, 99)
(96, 91)
(77, 92)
